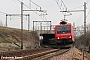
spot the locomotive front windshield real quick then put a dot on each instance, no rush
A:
(63, 29)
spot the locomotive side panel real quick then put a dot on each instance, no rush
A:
(72, 32)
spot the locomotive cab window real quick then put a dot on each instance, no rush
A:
(63, 29)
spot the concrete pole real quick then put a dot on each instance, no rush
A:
(21, 25)
(33, 25)
(41, 27)
(85, 19)
(28, 22)
(6, 20)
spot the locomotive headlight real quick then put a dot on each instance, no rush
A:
(69, 37)
(58, 38)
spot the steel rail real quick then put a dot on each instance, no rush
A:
(38, 54)
(45, 57)
(21, 53)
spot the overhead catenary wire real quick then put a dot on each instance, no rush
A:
(29, 7)
(3, 12)
(38, 6)
(19, 0)
(59, 6)
(64, 4)
(87, 1)
(89, 9)
(35, 3)
(43, 15)
(34, 11)
(66, 9)
(64, 13)
(79, 18)
(81, 14)
(76, 7)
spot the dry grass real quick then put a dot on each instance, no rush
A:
(13, 36)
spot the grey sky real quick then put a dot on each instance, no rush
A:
(53, 11)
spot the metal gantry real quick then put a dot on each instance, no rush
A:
(18, 15)
(22, 10)
(84, 16)
(41, 24)
(21, 24)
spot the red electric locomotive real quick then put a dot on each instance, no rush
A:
(63, 35)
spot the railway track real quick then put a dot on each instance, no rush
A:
(37, 56)
(50, 55)
(21, 53)
(44, 54)
(34, 54)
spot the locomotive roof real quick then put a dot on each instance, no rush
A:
(63, 22)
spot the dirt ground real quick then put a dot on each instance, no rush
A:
(72, 54)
